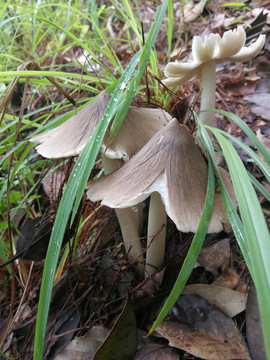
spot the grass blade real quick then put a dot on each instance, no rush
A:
(256, 142)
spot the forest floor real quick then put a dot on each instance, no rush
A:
(214, 317)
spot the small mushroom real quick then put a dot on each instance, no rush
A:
(139, 126)
(172, 165)
(207, 51)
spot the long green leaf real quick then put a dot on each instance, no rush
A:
(236, 224)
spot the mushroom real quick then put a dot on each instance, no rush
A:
(69, 138)
(172, 165)
(207, 51)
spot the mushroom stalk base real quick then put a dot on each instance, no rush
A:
(128, 225)
(208, 96)
(156, 235)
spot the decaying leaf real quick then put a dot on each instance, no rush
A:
(84, 347)
(215, 256)
(254, 327)
(151, 350)
(157, 351)
(203, 330)
(259, 104)
(190, 11)
(229, 278)
(121, 343)
(230, 301)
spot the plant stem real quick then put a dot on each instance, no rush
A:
(128, 225)
(156, 234)
(208, 97)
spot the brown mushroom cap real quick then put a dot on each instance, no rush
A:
(139, 126)
(69, 138)
(172, 164)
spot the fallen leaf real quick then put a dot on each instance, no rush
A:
(203, 330)
(190, 11)
(157, 351)
(230, 301)
(254, 327)
(259, 104)
(149, 349)
(53, 184)
(256, 26)
(84, 347)
(229, 278)
(121, 343)
(214, 256)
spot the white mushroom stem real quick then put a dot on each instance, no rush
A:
(156, 235)
(128, 225)
(208, 96)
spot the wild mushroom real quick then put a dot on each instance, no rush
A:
(69, 138)
(172, 165)
(207, 51)
(138, 127)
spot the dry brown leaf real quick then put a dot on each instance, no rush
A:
(229, 278)
(83, 348)
(53, 183)
(203, 330)
(214, 256)
(190, 10)
(259, 104)
(156, 351)
(254, 327)
(230, 301)
(183, 337)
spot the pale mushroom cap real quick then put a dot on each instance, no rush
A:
(139, 126)
(69, 138)
(172, 164)
(229, 47)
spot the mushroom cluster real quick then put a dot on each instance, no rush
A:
(153, 155)
(172, 165)
(139, 126)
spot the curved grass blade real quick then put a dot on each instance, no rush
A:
(256, 142)
(262, 165)
(259, 187)
(236, 224)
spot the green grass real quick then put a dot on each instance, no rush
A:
(48, 33)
